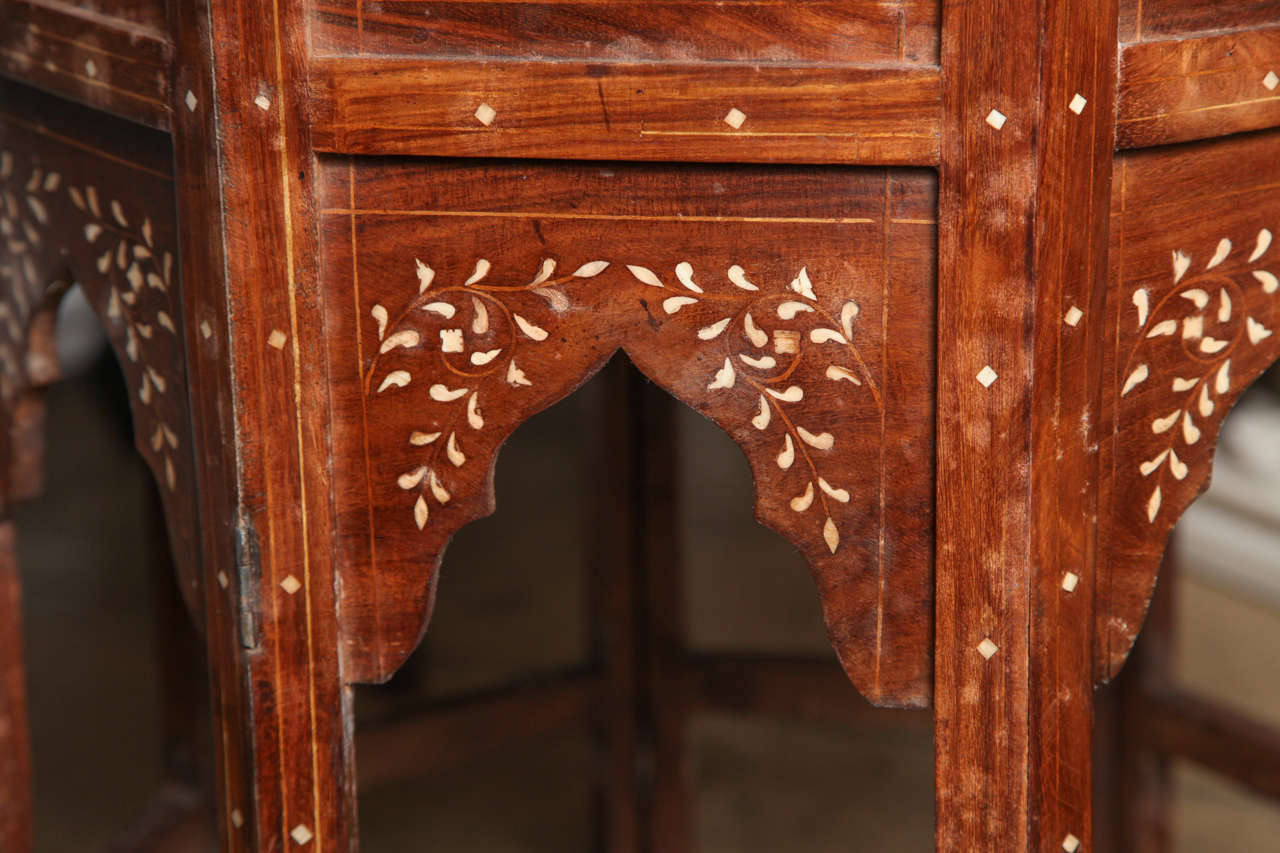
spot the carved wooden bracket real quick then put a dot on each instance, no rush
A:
(1195, 317)
(104, 219)
(463, 317)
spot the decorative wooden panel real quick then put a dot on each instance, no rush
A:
(1194, 304)
(654, 111)
(100, 214)
(1145, 19)
(793, 308)
(1181, 89)
(686, 31)
(114, 56)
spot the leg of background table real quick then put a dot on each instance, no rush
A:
(612, 534)
(15, 749)
(664, 699)
(1023, 229)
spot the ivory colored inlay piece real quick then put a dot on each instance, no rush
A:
(734, 118)
(987, 376)
(191, 101)
(291, 584)
(300, 834)
(987, 648)
(1070, 844)
(206, 330)
(1074, 315)
(90, 68)
(237, 818)
(996, 119)
(1069, 581)
(485, 114)
(277, 339)
(223, 581)
(1271, 80)
(263, 102)
(1077, 104)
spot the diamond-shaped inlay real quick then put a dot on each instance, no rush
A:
(987, 648)
(1271, 80)
(485, 114)
(91, 68)
(996, 119)
(986, 376)
(291, 584)
(223, 580)
(277, 339)
(301, 835)
(206, 329)
(263, 102)
(734, 118)
(1077, 103)
(191, 100)
(1069, 581)
(237, 818)
(1070, 844)
(1074, 315)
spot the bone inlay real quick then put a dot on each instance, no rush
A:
(475, 330)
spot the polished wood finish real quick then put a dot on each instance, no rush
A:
(888, 247)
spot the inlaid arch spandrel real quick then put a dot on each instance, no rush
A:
(74, 213)
(1194, 318)
(792, 308)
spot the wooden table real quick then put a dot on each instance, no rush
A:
(971, 287)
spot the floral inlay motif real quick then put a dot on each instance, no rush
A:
(479, 330)
(1207, 315)
(130, 265)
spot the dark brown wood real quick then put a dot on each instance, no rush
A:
(114, 56)
(816, 31)
(15, 746)
(636, 111)
(1022, 231)
(614, 578)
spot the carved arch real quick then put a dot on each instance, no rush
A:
(1195, 319)
(69, 212)
(772, 318)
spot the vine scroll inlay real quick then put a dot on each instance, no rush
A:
(483, 293)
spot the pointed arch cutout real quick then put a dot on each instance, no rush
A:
(1194, 319)
(766, 301)
(103, 218)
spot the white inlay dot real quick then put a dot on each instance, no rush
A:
(290, 584)
(191, 100)
(1073, 316)
(262, 102)
(986, 376)
(277, 339)
(1077, 104)
(1070, 844)
(300, 834)
(223, 580)
(987, 648)
(485, 114)
(90, 68)
(206, 329)
(1271, 80)
(996, 119)
(1069, 581)
(237, 819)
(734, 118)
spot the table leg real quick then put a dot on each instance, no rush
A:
(15, 748)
